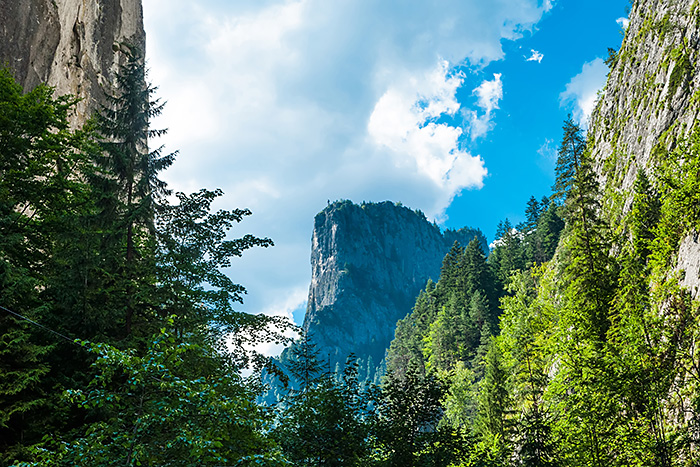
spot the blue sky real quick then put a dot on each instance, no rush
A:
(286, 104)
(520, 150)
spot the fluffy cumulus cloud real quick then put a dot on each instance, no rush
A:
(623, 22)
(581, 93)
(404, 120)
(286, 104)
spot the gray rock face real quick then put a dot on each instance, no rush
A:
(369, 263)
(69, 44)
(651, 99)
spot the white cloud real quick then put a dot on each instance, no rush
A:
(548, 156)
(623, 22)
(581, 92)
(489, 94)
(285, 104)
(535, 56)
(548, 150)
(404, 122)
(284, 305)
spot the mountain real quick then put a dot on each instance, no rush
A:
(649, 106)
(71, 45)
(369, 262)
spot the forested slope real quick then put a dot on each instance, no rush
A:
(594, 359)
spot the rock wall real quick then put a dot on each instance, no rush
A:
(651, 99)
(73, 45)
(369, 262)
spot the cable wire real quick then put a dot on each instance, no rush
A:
(39, 325)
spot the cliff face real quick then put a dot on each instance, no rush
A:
(69, 44)
(369, 263)
(652, 99)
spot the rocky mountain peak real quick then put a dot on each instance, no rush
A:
(369, 262)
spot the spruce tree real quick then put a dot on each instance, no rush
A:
(532, 213)
(588, 279)
(491, 423)
(645, 214)
(130, 178)
(569, 159)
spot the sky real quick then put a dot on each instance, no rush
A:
(453, 107)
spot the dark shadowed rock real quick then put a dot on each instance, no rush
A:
(369, 262)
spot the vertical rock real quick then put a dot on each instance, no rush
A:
(72, 45)
(369, 262)
(652, 98)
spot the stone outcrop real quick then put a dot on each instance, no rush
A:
(652, 98)
(369, 263)
(72, 45)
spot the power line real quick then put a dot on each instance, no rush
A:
(72, 341)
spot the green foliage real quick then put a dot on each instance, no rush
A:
(407, 428)
(143, 420)
(530, 243)
(681, 74)
(326, 420)
(406, 350)
(85, 252)
(571, 150)
(450, 317)
(644, 215)
(192, 249)
(612, 58)
(128, 183)
(493, 404)
(39, 200)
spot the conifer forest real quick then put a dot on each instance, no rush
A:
(572, 340)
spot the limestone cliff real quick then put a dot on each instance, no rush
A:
(369, 262)
(651, 99)
(70, 44)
